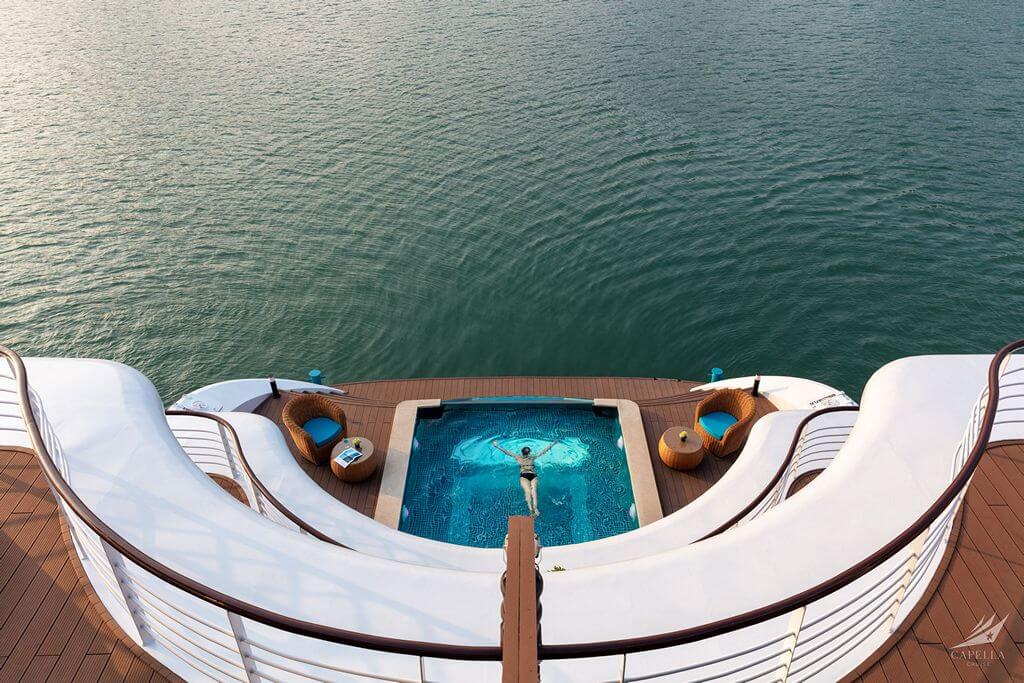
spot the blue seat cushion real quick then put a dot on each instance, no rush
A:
(716, 423)
(322, 429)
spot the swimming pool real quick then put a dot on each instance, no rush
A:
(460, 489)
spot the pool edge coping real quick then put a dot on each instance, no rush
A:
(388, 509)
(638, 460)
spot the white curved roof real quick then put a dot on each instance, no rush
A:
(895, 463)
(127, 467)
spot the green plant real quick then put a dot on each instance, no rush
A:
(557, 568)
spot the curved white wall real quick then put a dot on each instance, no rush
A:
(787, 393)
(243, 394)
(268, 456)
(895, 464)
(127, 467)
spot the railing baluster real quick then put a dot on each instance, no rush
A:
(235, 474)
(113, 558)
(948, 531)
(229, 454)
(244, 650)
(908, 574)
(796, 622)
(787, 479)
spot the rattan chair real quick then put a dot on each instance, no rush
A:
(737, 403)
(302, 409)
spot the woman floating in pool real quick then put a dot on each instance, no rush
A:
(527, 472)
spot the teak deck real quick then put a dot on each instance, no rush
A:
(663, 403)
(50, 630)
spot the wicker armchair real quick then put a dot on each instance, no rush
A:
(302, 409)
(740, 405)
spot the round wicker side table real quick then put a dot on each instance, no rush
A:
(360, 470)
(679, 454)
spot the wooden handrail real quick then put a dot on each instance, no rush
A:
(782, 468)
(520, 619)
(841, 580)
(214, 597)
(281, 507)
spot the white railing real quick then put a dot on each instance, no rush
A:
(194, 637)
(810, 640)
(13, 430)
(213, 446)
(819, 442)
(12, 424)
(205, 642)
(208, 445)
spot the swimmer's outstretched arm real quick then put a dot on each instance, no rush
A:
(494, 442)
(546, 449)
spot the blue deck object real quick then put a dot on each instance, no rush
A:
(716, 374)
(716, 423)
(316, 377)
(322, 429)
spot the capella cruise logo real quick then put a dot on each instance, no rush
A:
(984, 633)
(973, 649)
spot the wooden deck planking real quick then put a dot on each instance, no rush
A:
(232, 487)
(49, 629)
(802, 481)
(519, 605)
(984, 576)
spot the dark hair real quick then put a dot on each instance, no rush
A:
(526, 450)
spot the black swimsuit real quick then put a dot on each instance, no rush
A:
(527, 466)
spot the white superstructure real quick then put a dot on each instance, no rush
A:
(104, 427)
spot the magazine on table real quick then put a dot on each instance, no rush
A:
(347, 457)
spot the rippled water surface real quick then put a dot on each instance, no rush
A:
(212, 190)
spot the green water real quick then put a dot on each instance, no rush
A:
(207, 190)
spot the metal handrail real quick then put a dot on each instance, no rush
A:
(770, 486)
(260, 487)
(214, 597)
(837, 582)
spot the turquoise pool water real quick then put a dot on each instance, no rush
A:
(461, 489)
